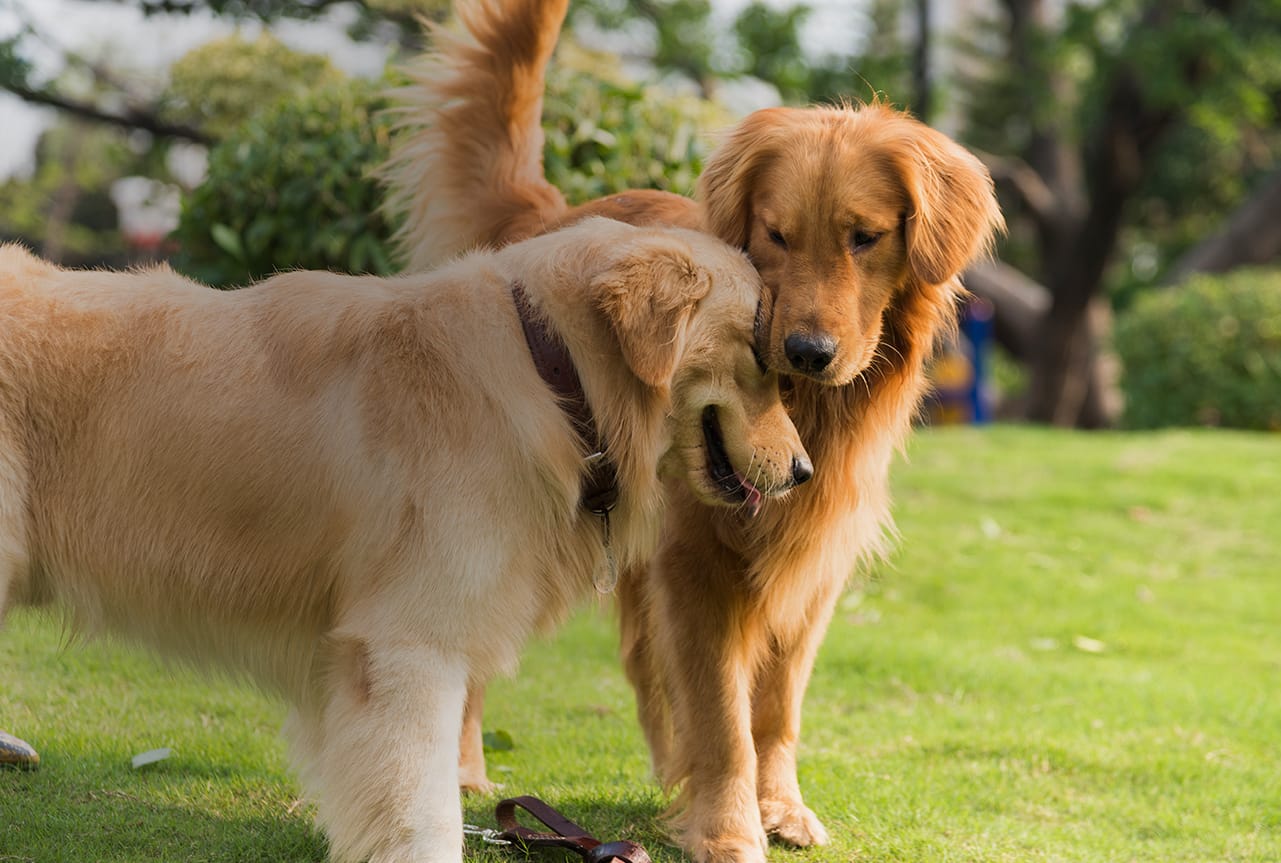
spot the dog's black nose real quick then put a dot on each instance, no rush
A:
(802, 470)
(809, 355)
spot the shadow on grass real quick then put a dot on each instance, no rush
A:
(71, 813)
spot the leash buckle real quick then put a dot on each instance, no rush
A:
(487, 835)
(606, 582)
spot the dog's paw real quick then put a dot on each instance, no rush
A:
(476, 782)
(728, 850)
(793, 822)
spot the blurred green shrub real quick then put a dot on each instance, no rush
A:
(292, 187)
(605, 134)
(217, 85)
(1205, 353)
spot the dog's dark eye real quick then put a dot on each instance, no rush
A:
(862, 240)
(776, 238)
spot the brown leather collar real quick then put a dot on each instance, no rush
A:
(551, 358)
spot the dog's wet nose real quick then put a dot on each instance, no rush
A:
(802, 469)
(808, 354)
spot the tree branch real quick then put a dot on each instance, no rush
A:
(259, 8)
(131, 119)
(1251, 235)
(1026, 183)
(1020, 304)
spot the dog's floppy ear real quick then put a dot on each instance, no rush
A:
(725, 186)
(648, 298)
(954, 212)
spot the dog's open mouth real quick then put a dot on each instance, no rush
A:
(734, 487)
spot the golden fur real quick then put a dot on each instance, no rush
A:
(358, 491)
(859, 220)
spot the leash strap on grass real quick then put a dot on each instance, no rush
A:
(564, 834)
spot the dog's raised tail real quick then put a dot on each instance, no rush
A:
(466, 167)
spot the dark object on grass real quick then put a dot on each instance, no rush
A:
(564, 834)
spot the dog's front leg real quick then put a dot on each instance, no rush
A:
(384, 770)
(708, 682)
(776, 724)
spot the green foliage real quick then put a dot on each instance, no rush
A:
(1232, 136)
(291, 189)
(605, 134)
(498, 741)
(771, 43)
(685, 38)
(14, 67)
(883, 67)
(680, 32)
(371, 18)
(216, 86)
(1226, 138)
(1207, 353)
(765, 42)
(64, 208)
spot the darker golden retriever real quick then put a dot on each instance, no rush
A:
(337, 485)
(859, 221)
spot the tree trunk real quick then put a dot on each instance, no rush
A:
(1061, 368)
(1020, 305)
(1252, 235)
(1078, 239)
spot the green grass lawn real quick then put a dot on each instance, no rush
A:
(1075, 655)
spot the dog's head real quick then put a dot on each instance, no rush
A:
(842, 210)
(683, 307)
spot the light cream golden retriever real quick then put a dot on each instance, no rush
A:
(360, 492)
(859, 221)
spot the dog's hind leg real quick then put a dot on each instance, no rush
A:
(638, 661)
(471, 764)
(380, 754)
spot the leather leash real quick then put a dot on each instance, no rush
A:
(599, 493)
(564, 834)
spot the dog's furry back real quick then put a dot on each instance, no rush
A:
(227, 475)
(473, 114)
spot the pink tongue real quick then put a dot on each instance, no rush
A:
(753, 499)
